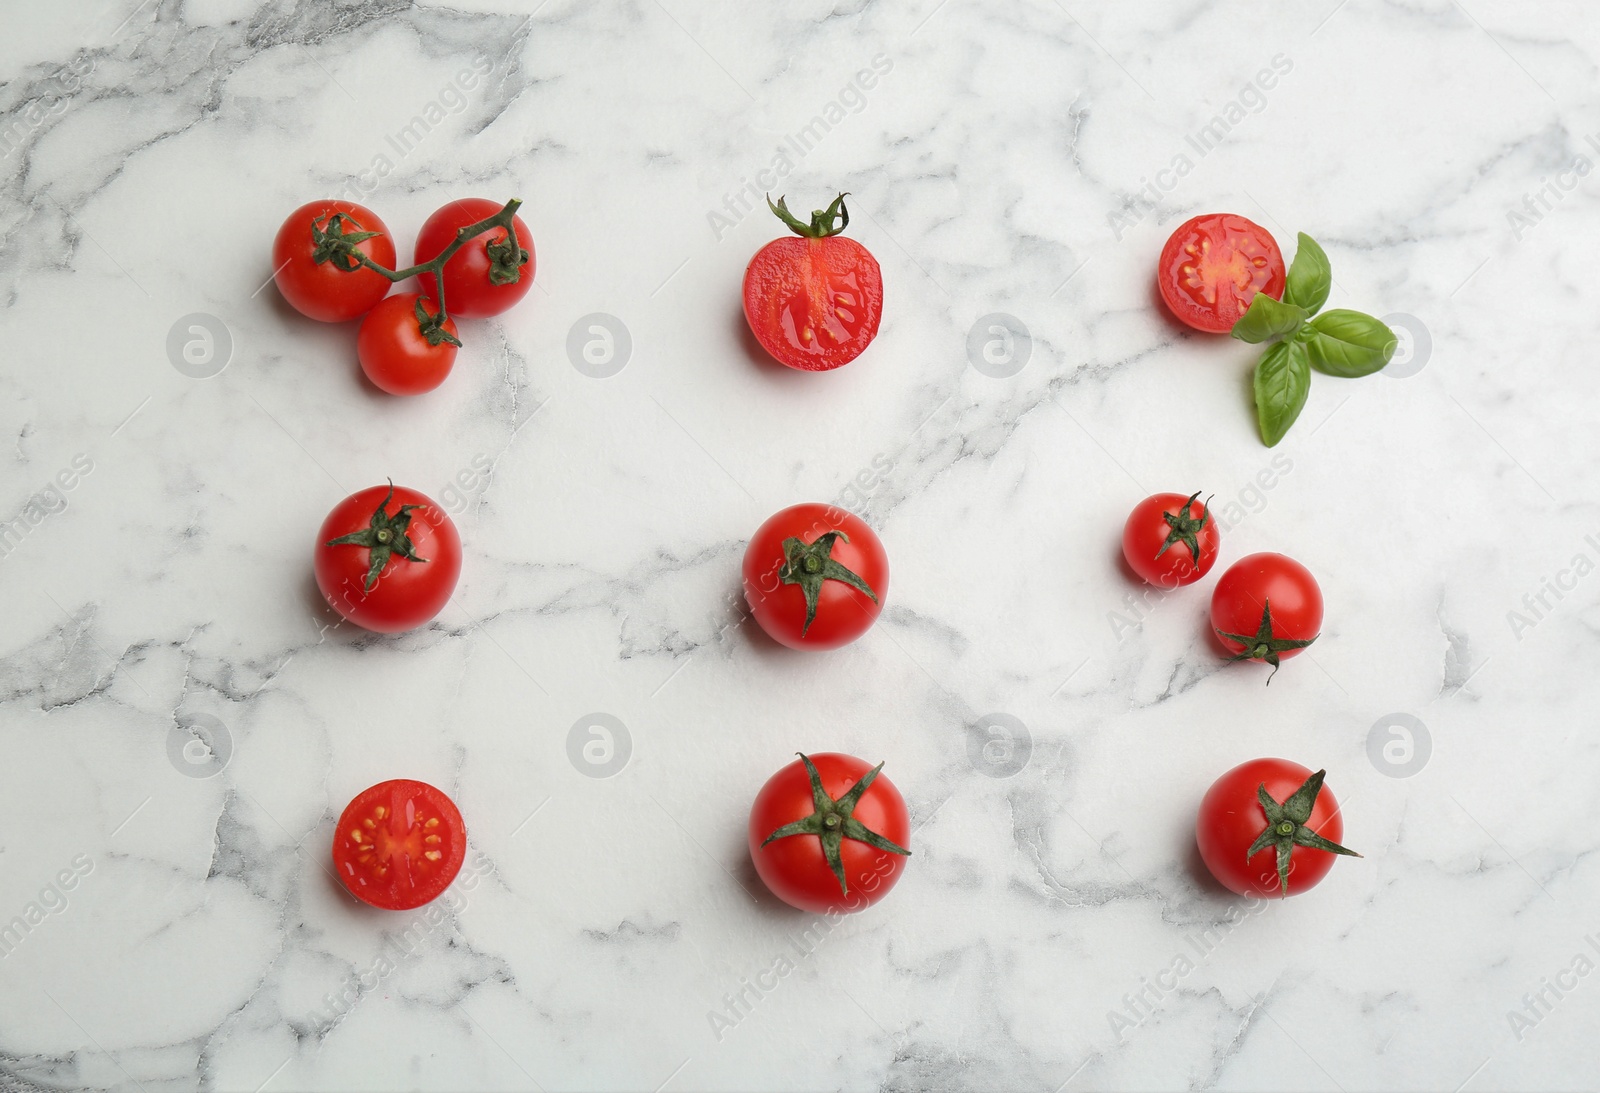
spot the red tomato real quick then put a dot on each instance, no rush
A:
(395, 353)
(399, 844)
(1266, 607)
(387, 558)
(1252, 851)
(327, 290)
(1170, 539)
(814, 302)
(815, 576)
(470, 288)
(829, 833)
(1213, 266)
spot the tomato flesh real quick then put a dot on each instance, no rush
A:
(1231, 818)
(813, 304)
(323, 291)
(399, 844)
(795, 869)
(1213, 266)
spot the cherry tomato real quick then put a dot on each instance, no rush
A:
(399, 844)
(814, 302)
(471, 288)
(1254, 851)
(1213, 266)
(387, 558)
(1266, 607)
(815, 576)
(1170, 539)
(395, 353)
(327, 290)
(828, 832)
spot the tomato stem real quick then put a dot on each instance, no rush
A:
(834, 821)
(506, 259)
(1286, 827)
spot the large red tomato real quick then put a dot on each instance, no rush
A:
(489, 273)
(1170, 539)
(815, 576)
(1213, 266)
(1266, 607)
(814, 302)
(1267, 827)
(387, 558)
(316, 278)
(399, 844)
(829, 833)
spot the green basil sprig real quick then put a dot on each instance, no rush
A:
(1336, 343)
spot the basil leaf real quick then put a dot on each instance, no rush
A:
(1310, 277)
(1283, 380)
(1350, 344)
(1268, 319)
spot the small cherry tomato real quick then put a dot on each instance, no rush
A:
(829, 833)
(815, 576)
(1267, 828)
(403, 348)
(1171, 540)
(399, 844)
(1213, 266)
(814, 302)
(317, 278)
(1266, 607)
(489, 273)
(387, 559)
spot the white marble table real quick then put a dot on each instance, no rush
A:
(1015, 158)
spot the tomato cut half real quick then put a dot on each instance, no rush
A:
(399, 844)
(1213, 266)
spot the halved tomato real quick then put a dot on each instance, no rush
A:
(399, 844)
(1213, 266)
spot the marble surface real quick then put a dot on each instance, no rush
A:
(182, 720)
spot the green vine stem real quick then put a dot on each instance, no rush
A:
(334, 244)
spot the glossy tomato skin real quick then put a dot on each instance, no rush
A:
(843, 613)
(393, 352)
(399, 844)
(1146, 531)
(794, 867)
(813, 304)
(407, 594)
(324, 291)
(469, 294)
(1259, 579)
(1231, 818)
(1213, 266)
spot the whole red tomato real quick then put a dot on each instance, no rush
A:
(1213, 266)
(399, 844)
(402, 346)
(1267, 827)
(829, 833)
(815, 576)
(814, 302)
(387, 558)
(486, 276)
(1170, 539)
(317, 279)
(1266, 607)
